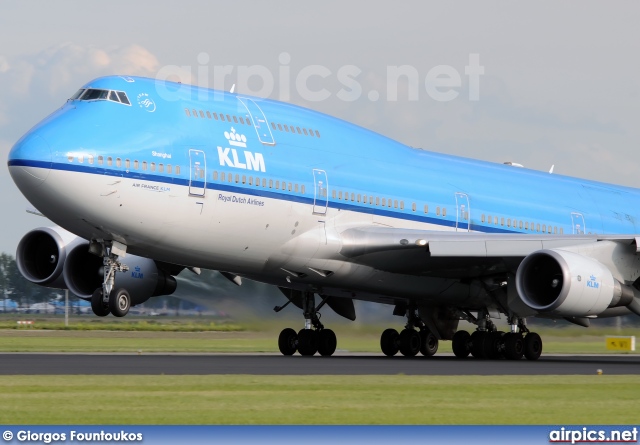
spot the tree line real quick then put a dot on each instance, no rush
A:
(15, 287)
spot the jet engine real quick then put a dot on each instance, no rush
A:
(42, 253)
(53, 257)
(566, 284)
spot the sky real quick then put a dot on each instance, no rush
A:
(560, 82)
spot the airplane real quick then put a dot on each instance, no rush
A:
(145, 178)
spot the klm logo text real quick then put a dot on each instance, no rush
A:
(592, 282)
(245, 160)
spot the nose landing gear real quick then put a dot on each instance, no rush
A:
(106, 299)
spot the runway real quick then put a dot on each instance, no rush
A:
(271, 364)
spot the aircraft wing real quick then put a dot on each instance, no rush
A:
(455, 254)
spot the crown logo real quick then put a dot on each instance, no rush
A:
(236, 139)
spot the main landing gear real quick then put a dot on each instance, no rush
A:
(489, 343)
(313, 338)
(107, 299)
(414, 338)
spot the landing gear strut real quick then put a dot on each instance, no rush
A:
(313, 337)
(414, 338)
(107, 299)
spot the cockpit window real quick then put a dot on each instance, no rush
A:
(95, 95)
(123, 97)
(91, 94)
(77, 95)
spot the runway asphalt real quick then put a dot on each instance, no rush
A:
(344, 364)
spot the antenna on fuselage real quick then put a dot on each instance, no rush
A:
(551, 169)
(233, 87)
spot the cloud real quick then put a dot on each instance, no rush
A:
(34, 85)
(62, 66)
(4, 65)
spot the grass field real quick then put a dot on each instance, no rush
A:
(360, 339)
(252, 399)
(237, 399)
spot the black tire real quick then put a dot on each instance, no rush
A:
(461, 344)
(493, 345)
(97, 305)
(409, 342)
(288, 341)
(428, 343)
(513, 346)
(119, 302)
(327, 342)
(477, 344)
(532, 346)
(389, 342)
(307, 342)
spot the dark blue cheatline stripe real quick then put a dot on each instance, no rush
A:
(224, 187)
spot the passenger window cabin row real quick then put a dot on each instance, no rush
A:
(259, 182)
(522, 225)
(127, 164)
(245, 120)
(340, 195)
(219, 117)
(294, 130)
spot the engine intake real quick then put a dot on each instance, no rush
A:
(41, 255)
(566, 284)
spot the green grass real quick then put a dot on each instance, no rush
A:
(349, 339)
(319, 399)
(128, 325)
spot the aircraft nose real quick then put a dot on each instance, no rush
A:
(30, 162)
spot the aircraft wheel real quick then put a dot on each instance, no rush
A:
(532, 346)
(327, 342)
(307, 342)
(428, 343)
(119, 302)
(492, 343)
(97, 305)
(461, 344)
(513, 346)
(287, 341)
(477, 344)
(389, 342)
(409, 342)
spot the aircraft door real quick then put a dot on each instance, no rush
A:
(463, 223)
(198, 172)
(259, 121)
(577, 221)
(321, 192)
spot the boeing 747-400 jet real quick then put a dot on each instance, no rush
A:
(146, 178)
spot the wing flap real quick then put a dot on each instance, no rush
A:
(417, 251)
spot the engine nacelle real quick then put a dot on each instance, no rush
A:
(41, 255)
(83, 274)
(53, 257)
(565, 284)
